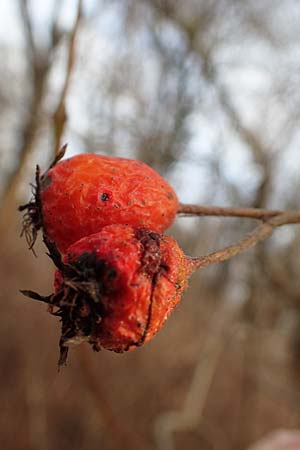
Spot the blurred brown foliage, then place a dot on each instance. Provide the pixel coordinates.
(207, 93)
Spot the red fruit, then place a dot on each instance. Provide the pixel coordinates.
(116, 288)
(80, 195)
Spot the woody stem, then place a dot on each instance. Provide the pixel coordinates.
(250, 213)
(259, 234)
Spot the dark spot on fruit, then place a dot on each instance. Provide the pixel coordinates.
(116, 206)
(164, 267)
(104, 197)
(170, 195)
(151, 257)
(112, 273)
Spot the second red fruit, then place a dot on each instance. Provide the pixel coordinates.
(116, 288)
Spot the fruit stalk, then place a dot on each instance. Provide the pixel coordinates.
(247, 213)
(259, 234)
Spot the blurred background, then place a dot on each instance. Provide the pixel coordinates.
(207, 93)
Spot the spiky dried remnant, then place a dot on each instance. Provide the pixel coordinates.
(116, 288)
(32, 213)
(80, 195)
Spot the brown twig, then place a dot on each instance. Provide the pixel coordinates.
(260, 233)
(39, 69)
(60, 115)
(250, 213)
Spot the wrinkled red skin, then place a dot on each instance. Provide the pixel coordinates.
(147, 286)
(169, 285)
(82, 194)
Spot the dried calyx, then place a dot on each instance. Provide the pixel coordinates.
(33, 211)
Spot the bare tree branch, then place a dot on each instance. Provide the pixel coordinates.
(39, 65)
(201, 48)
(60, 115)
(39, 68)
(30, 44)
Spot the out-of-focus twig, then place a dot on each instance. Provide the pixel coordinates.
(36, 409)
(60, 115)
(39, 64)
(129, 439)
(38, 67)
(202, 47)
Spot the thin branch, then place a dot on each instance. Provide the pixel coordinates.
(260, 233)
(198, 45)
(39, 67)
(60, 115)
(30, 44)
(250, 213)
